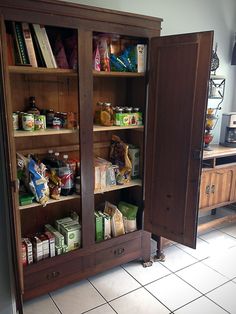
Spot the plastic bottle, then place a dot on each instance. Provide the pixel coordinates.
(66, 175)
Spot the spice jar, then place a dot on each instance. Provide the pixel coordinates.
(106, 115)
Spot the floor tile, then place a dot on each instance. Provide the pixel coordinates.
(203, 249)
(103, 309)
(77, 298)
(224, 262)
(219, 239)
(172, 291)
(145, 275)
(201, 306)
(40, 305)
(114, 283)
(139, 301)
(230, 230)
(196, 276)
(225, 296)
(177, 258)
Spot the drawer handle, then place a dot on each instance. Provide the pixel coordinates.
(208, 189)
(213, 189)
(53, 275)
(119, 251)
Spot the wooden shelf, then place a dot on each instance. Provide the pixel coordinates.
(43, 132)
(51, 201)
(46, 71)
(132, 183)
(117, 74)
(100, 128)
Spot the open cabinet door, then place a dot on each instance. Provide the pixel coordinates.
(9, 176)
(178, 85)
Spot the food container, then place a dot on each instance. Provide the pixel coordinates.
(28, 122)
(39, 122)
(15, 118)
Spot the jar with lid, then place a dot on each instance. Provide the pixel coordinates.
(138, 116)
(98, 110)
(106, 115)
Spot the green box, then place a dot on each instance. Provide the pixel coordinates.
(98, 227)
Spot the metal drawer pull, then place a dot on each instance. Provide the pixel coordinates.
(53, 275)
(119, 251)
(208, 189)
(213, 188)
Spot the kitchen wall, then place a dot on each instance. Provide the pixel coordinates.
(184, 16)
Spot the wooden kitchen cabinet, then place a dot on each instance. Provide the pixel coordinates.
(218, 184)
(172, 95)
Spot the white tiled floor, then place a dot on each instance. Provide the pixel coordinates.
(201, 281)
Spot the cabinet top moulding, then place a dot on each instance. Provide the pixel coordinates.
(117, 74)
(46, 71)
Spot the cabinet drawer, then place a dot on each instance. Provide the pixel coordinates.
(52, 274)
(123, 251)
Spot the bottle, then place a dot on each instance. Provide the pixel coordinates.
(66, 176)
(48, 161)
(32, 106)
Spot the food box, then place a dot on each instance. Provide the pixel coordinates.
(51, 241)
(29, 250)
(59, 239)
(106, 225)
(98, 227)
(72, 235)
(62, 220)
(37, 249)
(45, 245)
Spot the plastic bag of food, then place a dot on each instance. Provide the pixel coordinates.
(119, 156)
(23, 173)
(117, 224)
(38, 182)
(54, 185)
(129, 213)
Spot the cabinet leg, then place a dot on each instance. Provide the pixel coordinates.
(160, 256)
(213, 211)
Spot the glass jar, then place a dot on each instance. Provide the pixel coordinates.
(98, 110)
(106, 115)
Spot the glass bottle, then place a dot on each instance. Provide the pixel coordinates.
(32, 106)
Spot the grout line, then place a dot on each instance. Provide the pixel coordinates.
(158, 300)
(54, 303)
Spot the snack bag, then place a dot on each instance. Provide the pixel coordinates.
(119, 156)
(54, 185)
(129, 213)
(117, 224)
(38, 183)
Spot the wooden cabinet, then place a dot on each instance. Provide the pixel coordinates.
(172, 96)
(218, 183)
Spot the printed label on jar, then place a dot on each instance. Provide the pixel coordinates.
(39, 122)
(28, 122)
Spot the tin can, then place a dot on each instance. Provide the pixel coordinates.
(50, 117)
(64, 119)
(77, 185)
(56, 123)
(39, 122)
(28, 122)
(15, 118)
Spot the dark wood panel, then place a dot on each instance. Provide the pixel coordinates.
(177, 102)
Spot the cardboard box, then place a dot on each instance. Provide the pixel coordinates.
(106, 225)
(98, 227)
(37, 249)
(51, 241)
(72, 236)
(59, 239)
(29, 250)
(60, 221)
(45, 245)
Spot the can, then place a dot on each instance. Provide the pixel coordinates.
(56, 123)
(28, 122)
(15, 118)
(50, 117)
(77, 185)
(39, 122)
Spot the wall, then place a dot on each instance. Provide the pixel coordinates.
(184, 16)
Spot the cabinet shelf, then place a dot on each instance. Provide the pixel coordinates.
(100, 128)
(46, 71)
(117, 74)
(43, 132)
(132, 183)
(51, 201)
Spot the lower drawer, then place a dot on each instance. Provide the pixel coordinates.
(120, 251)
(54, 273)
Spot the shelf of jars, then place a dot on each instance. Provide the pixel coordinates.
(50, 201)
(101, 128)
(22, 133)
(132, 183)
